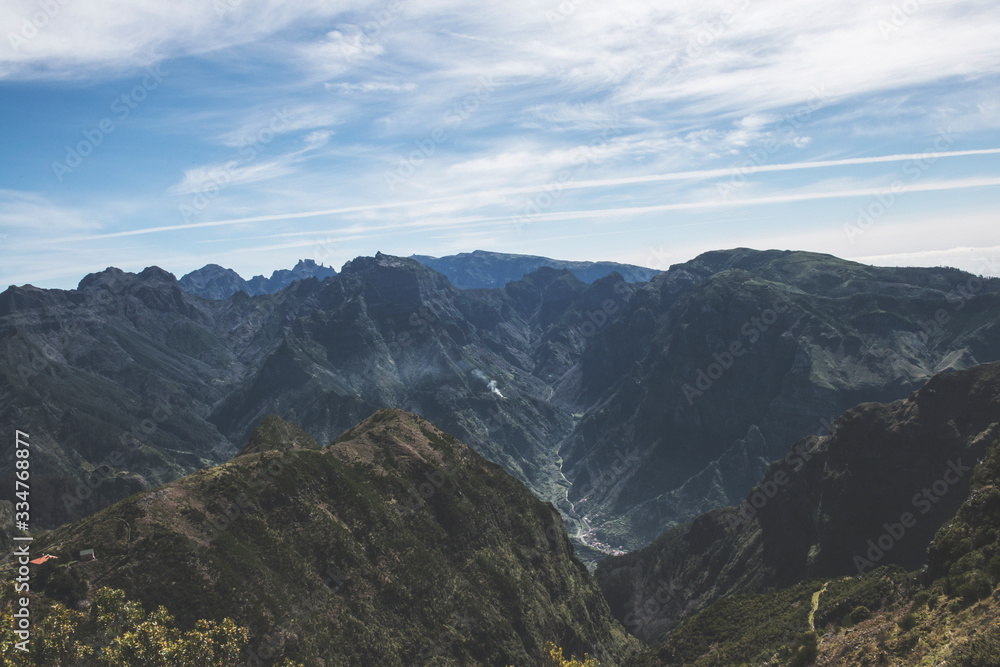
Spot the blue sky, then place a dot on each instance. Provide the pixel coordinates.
(252, 133)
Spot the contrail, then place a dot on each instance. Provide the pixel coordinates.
(594, 183)
(499, 221)
(957, 184)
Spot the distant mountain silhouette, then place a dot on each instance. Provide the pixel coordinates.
(481, 268)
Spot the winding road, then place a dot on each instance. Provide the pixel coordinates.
(582, 525)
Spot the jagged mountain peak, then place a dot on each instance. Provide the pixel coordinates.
(116, 281)
(156, 274)
(303, 264)
(216, 282)
(402, 281)
(112, 279)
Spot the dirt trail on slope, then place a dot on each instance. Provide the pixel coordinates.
(815, 606)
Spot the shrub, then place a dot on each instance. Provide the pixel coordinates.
(60, 583)
(556, 658)
(976, 587)
(116, 631)
(860, 613)
(805, 650)
(993, 569)
(908, 622)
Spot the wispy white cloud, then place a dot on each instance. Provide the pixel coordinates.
(674, 96)
(977, 260)
(371, 87)
(340, 50)
(195, 180)
(260, 125)
(110, 36)
(243, 168)
(21, 211)
(784, 198)
(212, 177)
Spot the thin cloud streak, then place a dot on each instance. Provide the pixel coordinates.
(790, 166)
(374, 232)
(594, 183)
(775, 199)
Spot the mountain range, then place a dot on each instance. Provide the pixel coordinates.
(817, 511)
(468, 270)
(397, 544)
(632, 406)
(876, 544)
(670, 419)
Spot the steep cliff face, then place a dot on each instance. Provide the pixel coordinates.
(780, 341)
(128, 381)
(396, 544)
(874, 492)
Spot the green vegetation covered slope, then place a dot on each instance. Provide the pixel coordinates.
(945, 613)
(396, 544)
